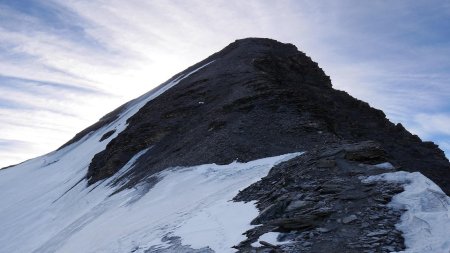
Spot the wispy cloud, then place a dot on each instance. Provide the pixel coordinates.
(63, 64)
(433, 124)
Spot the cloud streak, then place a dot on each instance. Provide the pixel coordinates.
(63, 64)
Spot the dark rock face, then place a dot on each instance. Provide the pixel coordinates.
(259, 98)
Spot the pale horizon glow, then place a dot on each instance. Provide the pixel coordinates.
(64, 64)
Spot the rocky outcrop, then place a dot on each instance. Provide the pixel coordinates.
(326, 208)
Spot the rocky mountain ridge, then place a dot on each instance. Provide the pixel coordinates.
(259, 98)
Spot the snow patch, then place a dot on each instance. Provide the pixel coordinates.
(426, 222)
(386, 165)
(270, 237)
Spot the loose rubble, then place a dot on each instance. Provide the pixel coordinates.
(318, 203)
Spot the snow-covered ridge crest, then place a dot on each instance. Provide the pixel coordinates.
(426, 221)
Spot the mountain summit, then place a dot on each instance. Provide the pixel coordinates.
(255, 98)
(159, 171)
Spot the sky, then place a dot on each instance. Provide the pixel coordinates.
(66, 63)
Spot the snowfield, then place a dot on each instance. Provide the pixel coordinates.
(52, 212)
(426, 222)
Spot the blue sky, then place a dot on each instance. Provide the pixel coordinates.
(64, 64)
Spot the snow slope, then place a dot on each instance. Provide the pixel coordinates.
(426, 221)
(191, 203)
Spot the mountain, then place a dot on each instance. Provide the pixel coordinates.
(309, 169)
